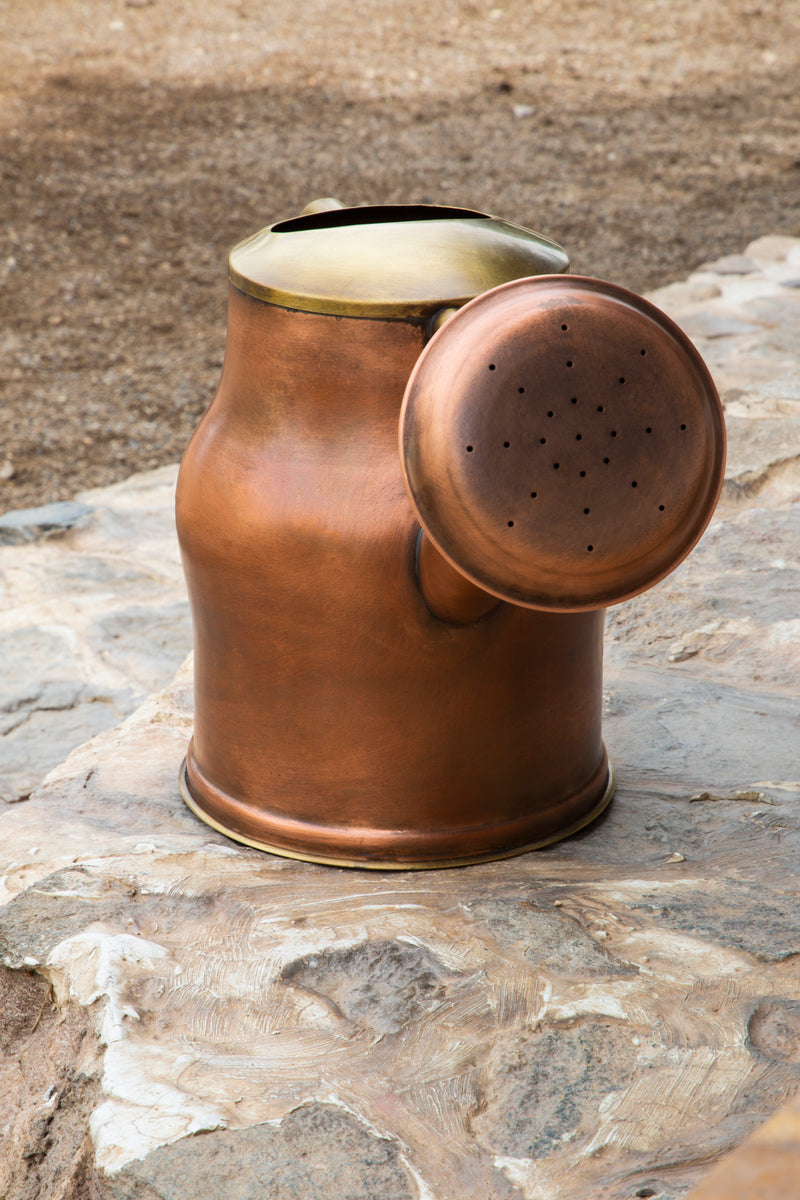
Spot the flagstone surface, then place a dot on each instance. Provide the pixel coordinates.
(605, 1018)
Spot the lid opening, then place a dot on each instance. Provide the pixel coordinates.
(376, 214)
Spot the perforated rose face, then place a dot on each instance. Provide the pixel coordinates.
(563, 442)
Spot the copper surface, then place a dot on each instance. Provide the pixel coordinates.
(335, 716)
(563, 444)
(286, 850)
(338, 716)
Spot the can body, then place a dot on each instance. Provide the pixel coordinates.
(336, 719)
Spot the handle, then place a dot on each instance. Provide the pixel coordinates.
(324, 204)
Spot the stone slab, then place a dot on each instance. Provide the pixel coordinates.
(93, 617)
(604, 1018)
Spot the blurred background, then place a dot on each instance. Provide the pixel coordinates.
(141, 139)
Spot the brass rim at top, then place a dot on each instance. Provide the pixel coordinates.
(393, 262)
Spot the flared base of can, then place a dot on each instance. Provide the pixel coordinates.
(397, 850)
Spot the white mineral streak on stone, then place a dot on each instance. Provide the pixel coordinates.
(600, 999)
(100, 962)
(681, 958)
(535, 1179)
(423, 1191)
(143, 1106)
(696, 1087)
(122, 1132)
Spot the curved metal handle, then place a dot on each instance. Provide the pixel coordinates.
(449, 595)
(324, 204)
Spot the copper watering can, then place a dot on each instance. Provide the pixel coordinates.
(398, 652)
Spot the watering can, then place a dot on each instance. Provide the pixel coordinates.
(433, 461)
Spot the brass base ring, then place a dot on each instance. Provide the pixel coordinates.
(575, 827)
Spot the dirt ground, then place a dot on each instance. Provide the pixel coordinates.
(141, 139)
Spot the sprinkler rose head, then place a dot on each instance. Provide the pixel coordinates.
(562, 443)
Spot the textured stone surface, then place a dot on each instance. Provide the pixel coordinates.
(31, 524)
(600, 1019)
(93, 617)
(318, 1152)
(550, 1088)
(380, 985)
(48, 1090)
(546, 937)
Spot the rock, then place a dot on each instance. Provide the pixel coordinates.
(771, 249)
(677, 296)
(380, 985)
(17, 787)
(714, 325)
(30, 524)
(774, 1030)
(48, 1089)
(550, 941)
(550, 1088)
(763, 455)
(732, 264)
(318, 1152)
(760, 920)
(92, 620)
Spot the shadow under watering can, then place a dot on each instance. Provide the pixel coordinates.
(398, 655)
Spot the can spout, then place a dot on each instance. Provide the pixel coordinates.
(449, 595)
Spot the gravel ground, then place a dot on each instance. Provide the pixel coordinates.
(139, 140)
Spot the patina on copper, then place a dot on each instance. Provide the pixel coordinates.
(563, 444)
(338, 717)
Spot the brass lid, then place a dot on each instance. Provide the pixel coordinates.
(401, 261)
